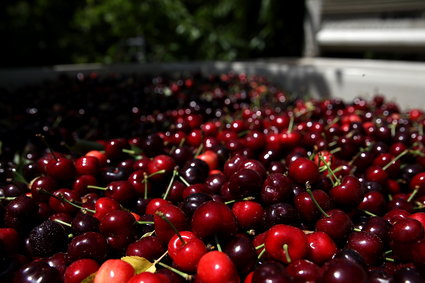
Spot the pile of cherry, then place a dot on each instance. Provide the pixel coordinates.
(226, 179)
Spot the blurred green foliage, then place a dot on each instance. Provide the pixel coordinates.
(48, 32)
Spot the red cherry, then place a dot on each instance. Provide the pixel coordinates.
(286, 243)
(302, 270)
(87, 165)
(159, 163)
(321, 247)
(99, 155)
(114, 270)
(186, 255)
(80, 270)
(368, 245)
(213, 218)
(148, 277)
(248, 213)
(61, 169)
(165, 218)
(348, 194)
(407, 230)
(303, 170)
(104, 205)
(149, 247)
(216, 267)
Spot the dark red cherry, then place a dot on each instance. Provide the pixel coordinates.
(303, 170)
(276, 188)
(368, 245)
(37, 271)
(149, 247)
(88, 245)
(242, 252)
(342, 270)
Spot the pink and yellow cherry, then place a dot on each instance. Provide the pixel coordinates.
(114, 270)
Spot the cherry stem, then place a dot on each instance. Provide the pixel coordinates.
(160, 258)
(357, 229)
(175, 172)
(47, 145)
(186, 183)
(310, 193)
(369, 213)
(261, 253)
(62, 222)
(163, 217)
(96, 187)
(155, 173)
(400, 155)
(234, 200)
(291, 123)
(145, 180)
(144, 222)
(337, 181)
(7, 198)
(390, 259)
(388, 252)
(413, 194)
(335, 150)
(186, 276)
(286, 252)
(217, 243)
(260, 246)
(199, 150)
(63, 199)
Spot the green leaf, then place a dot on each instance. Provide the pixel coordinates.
(140, 264)
(90, 278)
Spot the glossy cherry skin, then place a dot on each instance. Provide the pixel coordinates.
(41, 184)
(378, 226)
(270, 271)
(21, 214)
(248, 213)
(104, 205)
(216, 267)
(407, 230)
(186, 255)
(337, 224)
(244, 182)
(80, 270)
(280, 235)
(213, 218)
(84, 222)
(37, 271)
(368, 245)
(173, 214)
(342, 270)
(276, 188)
(61, 206)
(302, 270)
(348, 194)
(114, 270)
(87, 165)
(121, 191)
(161, 162)
(242, 252)
(321, 247)
(148, 277)
(303, 170)
(306, 207)
(118, 223)
(149, 247)
(88, 245)
(61, 169)
(280, 213)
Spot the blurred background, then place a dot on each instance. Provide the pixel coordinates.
(50, 32)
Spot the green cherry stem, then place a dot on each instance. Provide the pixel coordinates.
(62, 222)
(286, 252)
(175, 172)
(336, 181)
(369, 213)
(260, 246)
(217, 243)
(310, 193)
(61, 198)
(97, 187)
(145, 180)
(163, 217)
(403, 153)
(186, 276)
(413, 194)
